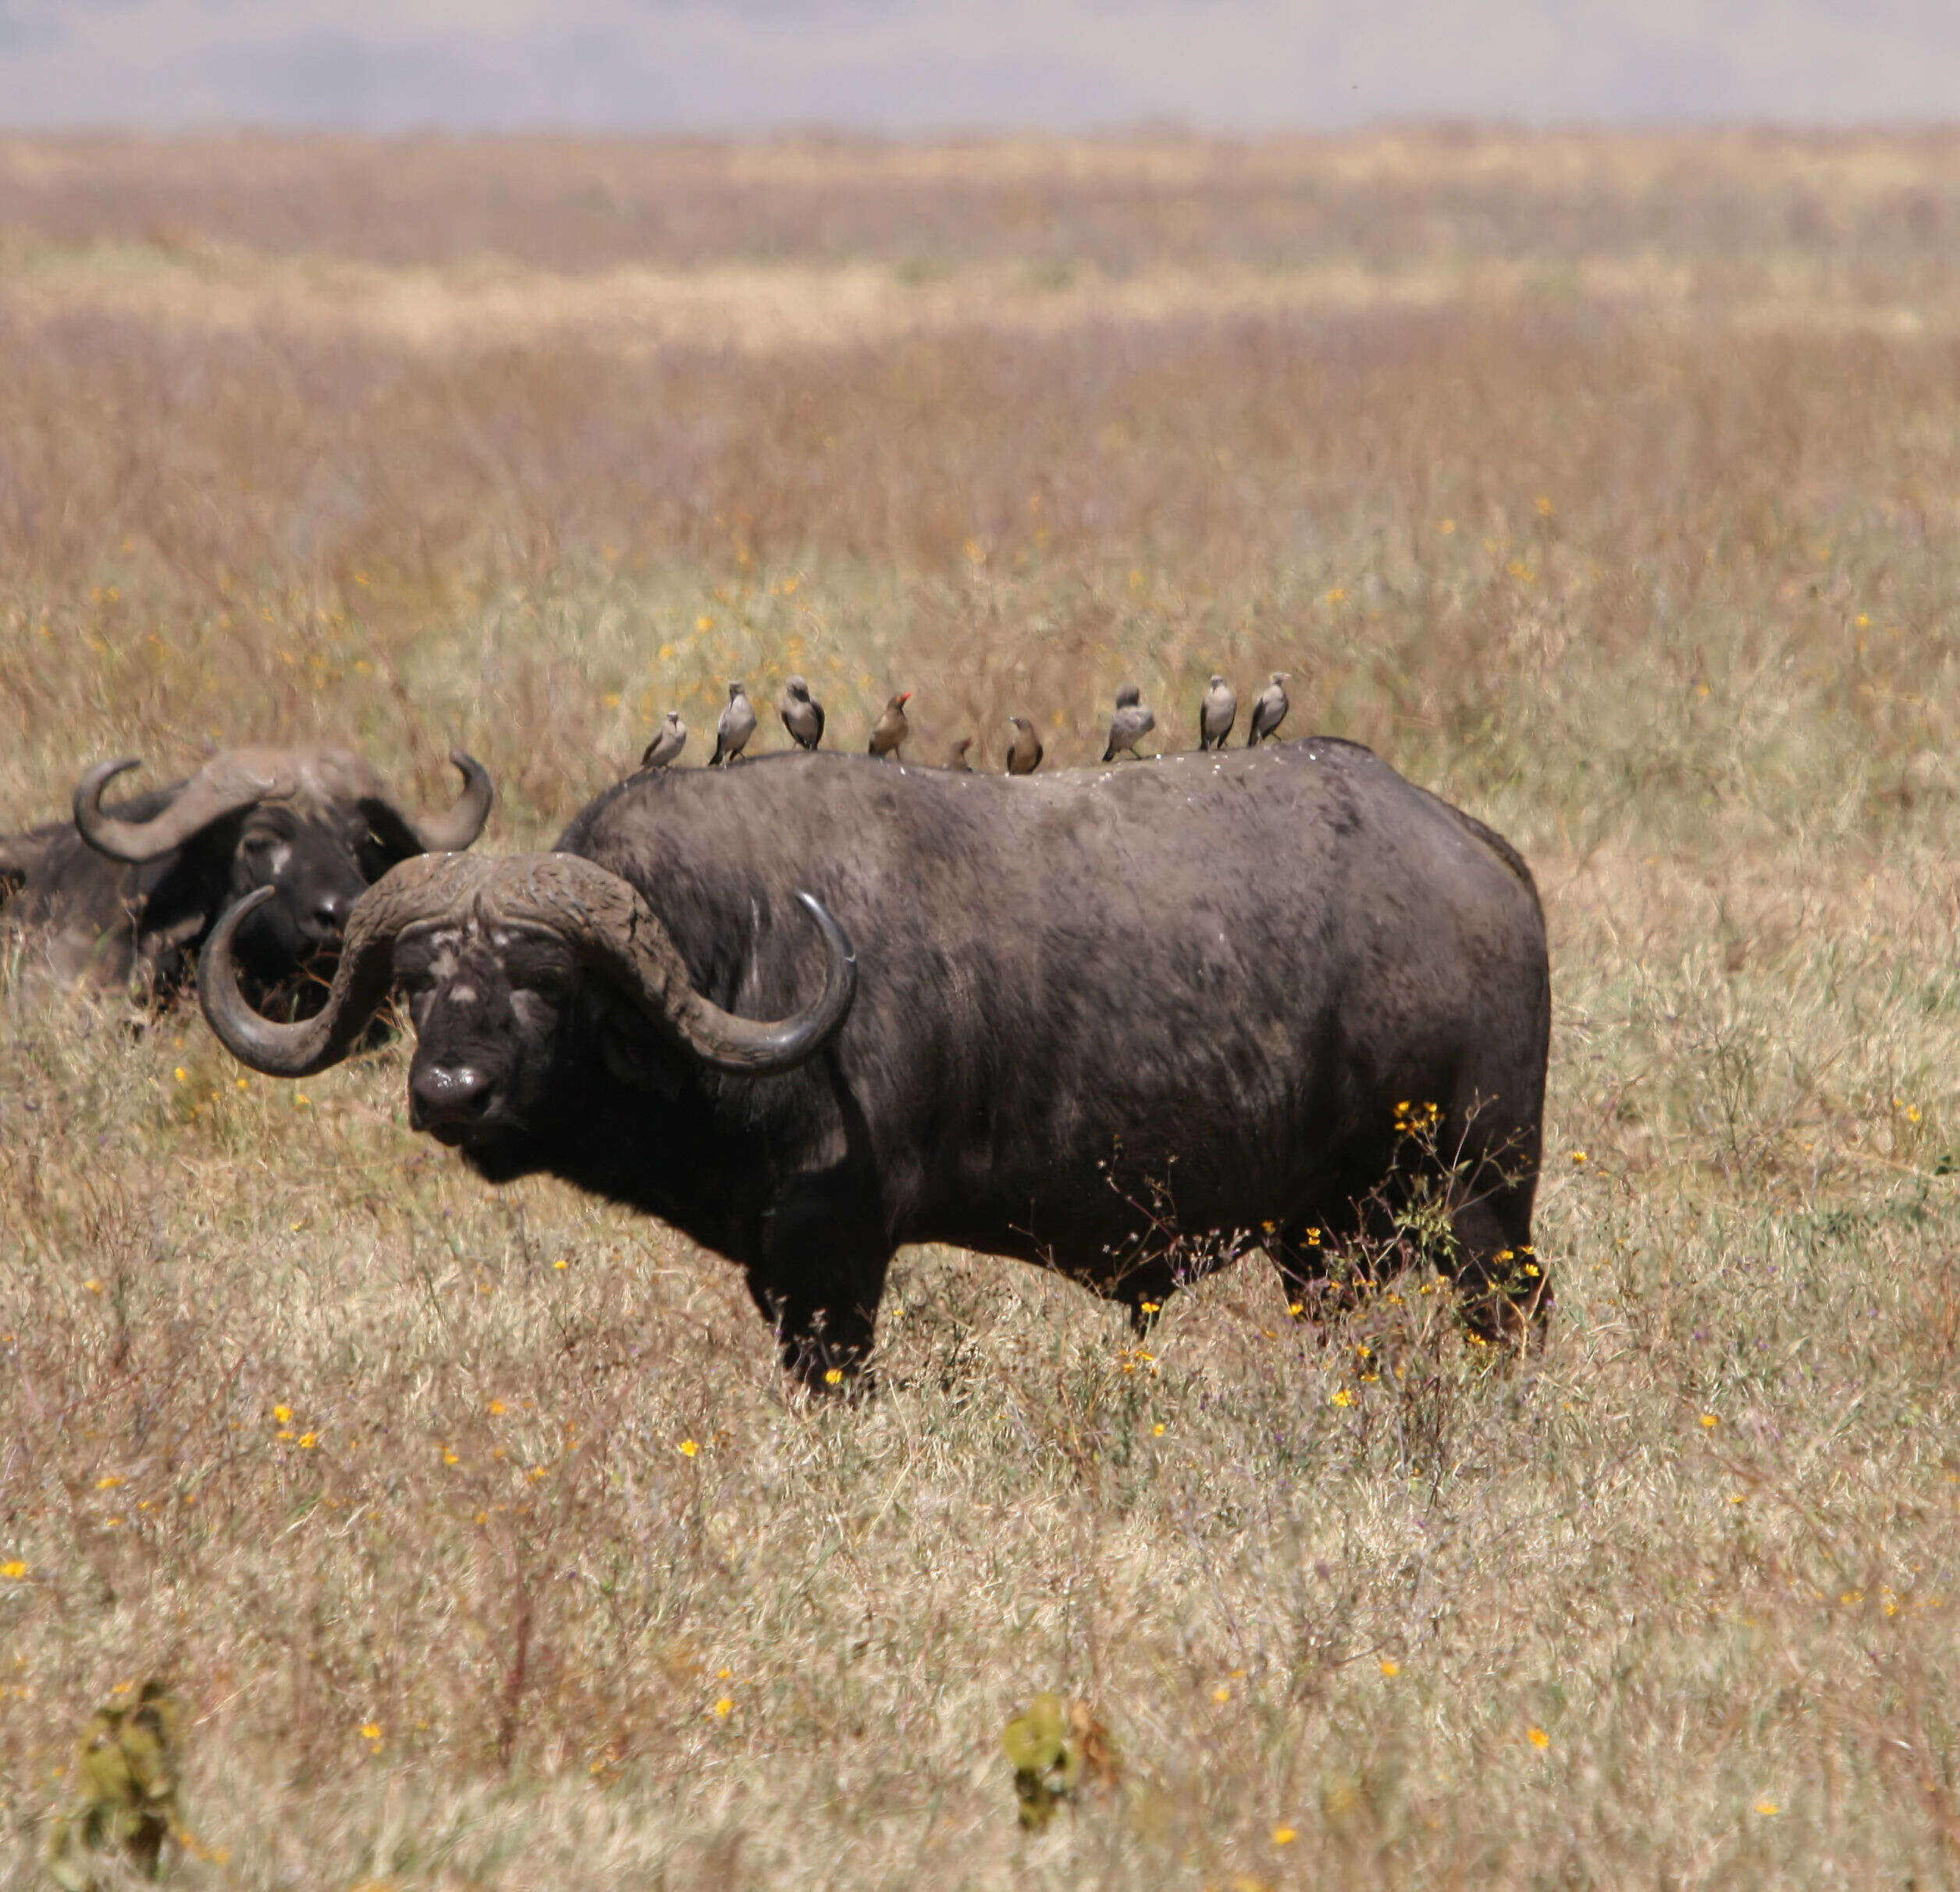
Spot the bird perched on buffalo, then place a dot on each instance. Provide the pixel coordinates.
(1132, 722)
(803, 714)
(1270, 711)
(737, 725)
(888, 733)
(1217, 712)
(1024, 756)
(668, 741)
(956, 756)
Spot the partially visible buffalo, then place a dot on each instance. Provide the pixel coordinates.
(1211, 995)
(125, 895)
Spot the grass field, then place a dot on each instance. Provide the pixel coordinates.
(1610, 487)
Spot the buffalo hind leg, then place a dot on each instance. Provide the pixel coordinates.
(1502, 1284)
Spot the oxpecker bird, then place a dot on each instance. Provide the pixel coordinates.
(888, 733)
(737, 725)
(1129, 725)
(1270, 711)
(803, 714)
(1216, 714)
(956, 756)
(1024, 756)
(668, 741)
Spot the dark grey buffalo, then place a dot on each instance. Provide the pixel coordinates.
(1090, 1015)
(127, 894)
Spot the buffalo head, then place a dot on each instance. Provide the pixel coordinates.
(313, 828)
(506, 963)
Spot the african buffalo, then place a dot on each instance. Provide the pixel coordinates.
(1213, 994)
(127, 894)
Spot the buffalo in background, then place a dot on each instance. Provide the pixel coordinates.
(1268, 997)
(125, 895)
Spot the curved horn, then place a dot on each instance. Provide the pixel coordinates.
(361, 981)
(451, 833)
(607, 919)
(220, 787)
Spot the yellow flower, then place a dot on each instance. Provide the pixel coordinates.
(561, 1263)
(1710, 1422)
(612, 699)
(1151, 1307)
(1768, 1808)
(1391, 1668)
(688, 1448)
(13, 1567)
(449, 1455)
(835, 1377)
(704, 622)
(182, 1077)
(1221, 1693)
(1864, 621)
(1578, 1156)
(724, 1675)
(93, 1285)
(1538, 1738)
(241, 1083)
(1296, 1308)
(724, 1707)
(1446, 526)
(308, 1441)
(370, 1730)
(1284, 1836)
(1340, 1396)
(283, 1414)
(1545, 508)
(108, 1481)
(1337, 595)
(1157, 1431)
(497, 1408)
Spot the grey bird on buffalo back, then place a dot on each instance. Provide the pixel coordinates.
(888, 733)
(732, 732)
(1129, 725)
(956, 757)
(803, 714)
(1217, 712)
(1127, 1016)
(124, 895)
(668, 741)
(1024, 753)
(1270, 710)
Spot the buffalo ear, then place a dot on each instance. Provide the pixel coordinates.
(634, 1054)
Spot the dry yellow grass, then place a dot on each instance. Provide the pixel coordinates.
(477, 1529)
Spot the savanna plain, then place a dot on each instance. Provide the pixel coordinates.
(1611, 487)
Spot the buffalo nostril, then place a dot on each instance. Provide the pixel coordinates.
(329, 915)
(441, 1094)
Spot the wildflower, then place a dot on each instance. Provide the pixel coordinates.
(13, 1569)
(370, 1730)
(1284, 1836)
(1340, 1396)
(724, 1709)
(1296, 1308)
(1391, 1668)
(1337, 595)
(1221, 1693)
(108, 1481)
(1538, 1738)
(1157, 1431)
(300, 1099)
(612, 699)
(241, 1083)
(1768, 1808)
(1545, 508)
(1313, 1238)
(497, 1408)
(93, 1285)
(724, 1675)
(561, 1265)
(283, 1414)
(688, 1448)
(1864, 621)
(1578, 1156)
(1151, 1307)
(1446, 526)
(308, 1441)
(1710, 1421)
(704, 622)
(182, 1077)
(835, 1377)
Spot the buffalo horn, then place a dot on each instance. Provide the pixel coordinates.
(602, 916)
(449, 833)
(219, 788)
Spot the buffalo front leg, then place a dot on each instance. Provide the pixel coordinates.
(818, 1283)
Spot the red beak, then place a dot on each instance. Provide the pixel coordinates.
(904, 697)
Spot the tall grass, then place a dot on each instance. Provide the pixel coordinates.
(294, 1411)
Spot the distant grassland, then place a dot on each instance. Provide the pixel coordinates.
(1611, 487)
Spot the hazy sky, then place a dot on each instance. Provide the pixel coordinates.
(906, 65)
